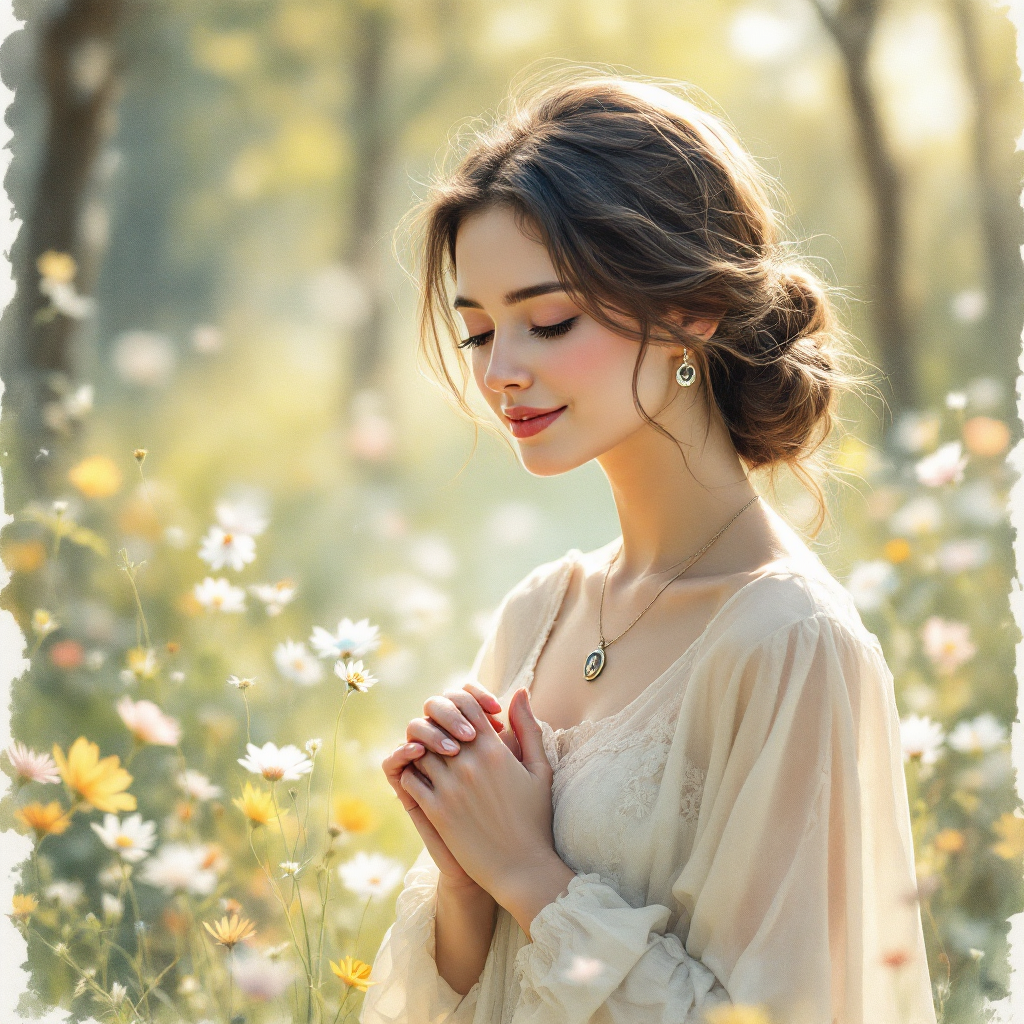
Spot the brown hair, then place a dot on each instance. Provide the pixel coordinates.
(650, 208)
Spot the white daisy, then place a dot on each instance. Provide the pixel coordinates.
(274, 595)
(113, 907)
(313, 746)
(920, 515)
(354, 674)
(370, 874)
(241, 682)
(290, 868)
(944, 466)
(870, 583)
(176, 867)
(275, 764)
(131, 839)
(351, 640)
(197, 785)
(219, 595)
(296, 663)
(978, 736)
(244, 516)
(66, 893)
(921, 738)
(220, 547)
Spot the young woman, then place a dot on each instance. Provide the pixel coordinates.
(676, 781)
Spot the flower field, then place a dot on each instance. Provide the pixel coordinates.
(210, 832)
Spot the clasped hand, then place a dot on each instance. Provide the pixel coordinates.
(483, 808)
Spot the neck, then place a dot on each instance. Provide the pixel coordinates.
(668, 512)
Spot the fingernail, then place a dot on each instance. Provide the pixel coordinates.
(466, 732)
(450, 746)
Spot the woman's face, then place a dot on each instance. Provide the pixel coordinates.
(559, 382)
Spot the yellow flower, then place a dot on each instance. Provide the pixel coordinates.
(100, 783)
(96, 477)
(23, 555)
(738, 1013)
(44, 821)
(43, 622)
(23, 906)
(896, 550)
(256, 804)
(354, 814)
(1010, 829)
(950, 840)
(230, 933)
(57, 266)
(142, 662)
(353, 973)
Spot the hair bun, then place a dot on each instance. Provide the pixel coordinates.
(799, 307)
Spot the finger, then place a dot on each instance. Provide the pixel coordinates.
(528, 732)
(432, 737)
(396, 763)
(447, 714)
(484, 698)
(471, 710)
(414, 785)
(433, 767)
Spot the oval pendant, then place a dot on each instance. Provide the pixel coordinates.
(594, 664)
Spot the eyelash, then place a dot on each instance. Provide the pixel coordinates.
(548, 331)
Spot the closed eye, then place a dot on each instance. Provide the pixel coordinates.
(554, 330)
(476, 340)
(541, 331)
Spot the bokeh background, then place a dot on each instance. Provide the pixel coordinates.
(212, 268)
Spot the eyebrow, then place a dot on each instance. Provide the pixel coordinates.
(511, 298)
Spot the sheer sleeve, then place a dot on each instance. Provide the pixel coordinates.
(406, 986)
(797, 888)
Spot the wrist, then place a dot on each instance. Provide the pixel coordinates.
(467, 892)
(533, 887)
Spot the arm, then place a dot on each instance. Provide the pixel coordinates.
(464, 927)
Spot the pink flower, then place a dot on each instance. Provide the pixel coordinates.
(147, 723)
(30, 766)
(947, 644)
(944, 466)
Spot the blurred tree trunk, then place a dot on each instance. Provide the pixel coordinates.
(77, 72)
(852, 25)
(374, 139)
(998, 210)
(380, 112)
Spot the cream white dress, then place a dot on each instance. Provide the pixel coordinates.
(740, 833)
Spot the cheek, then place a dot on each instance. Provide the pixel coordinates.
(596, 369)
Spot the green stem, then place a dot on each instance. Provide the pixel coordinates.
(248, 729)
(330, 801)
(129, 569)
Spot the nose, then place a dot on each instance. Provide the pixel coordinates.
(504, 369)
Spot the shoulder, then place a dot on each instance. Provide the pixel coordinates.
(797, 601)
(546, 584)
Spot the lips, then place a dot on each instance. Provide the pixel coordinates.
(525, 421)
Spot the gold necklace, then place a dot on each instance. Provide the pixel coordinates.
(593, 666)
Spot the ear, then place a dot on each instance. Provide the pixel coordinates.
(703, 327)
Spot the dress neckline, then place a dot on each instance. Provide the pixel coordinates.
(573, 557)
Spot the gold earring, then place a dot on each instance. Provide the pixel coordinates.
(687, 372)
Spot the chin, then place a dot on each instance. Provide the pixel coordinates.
(551, 462)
